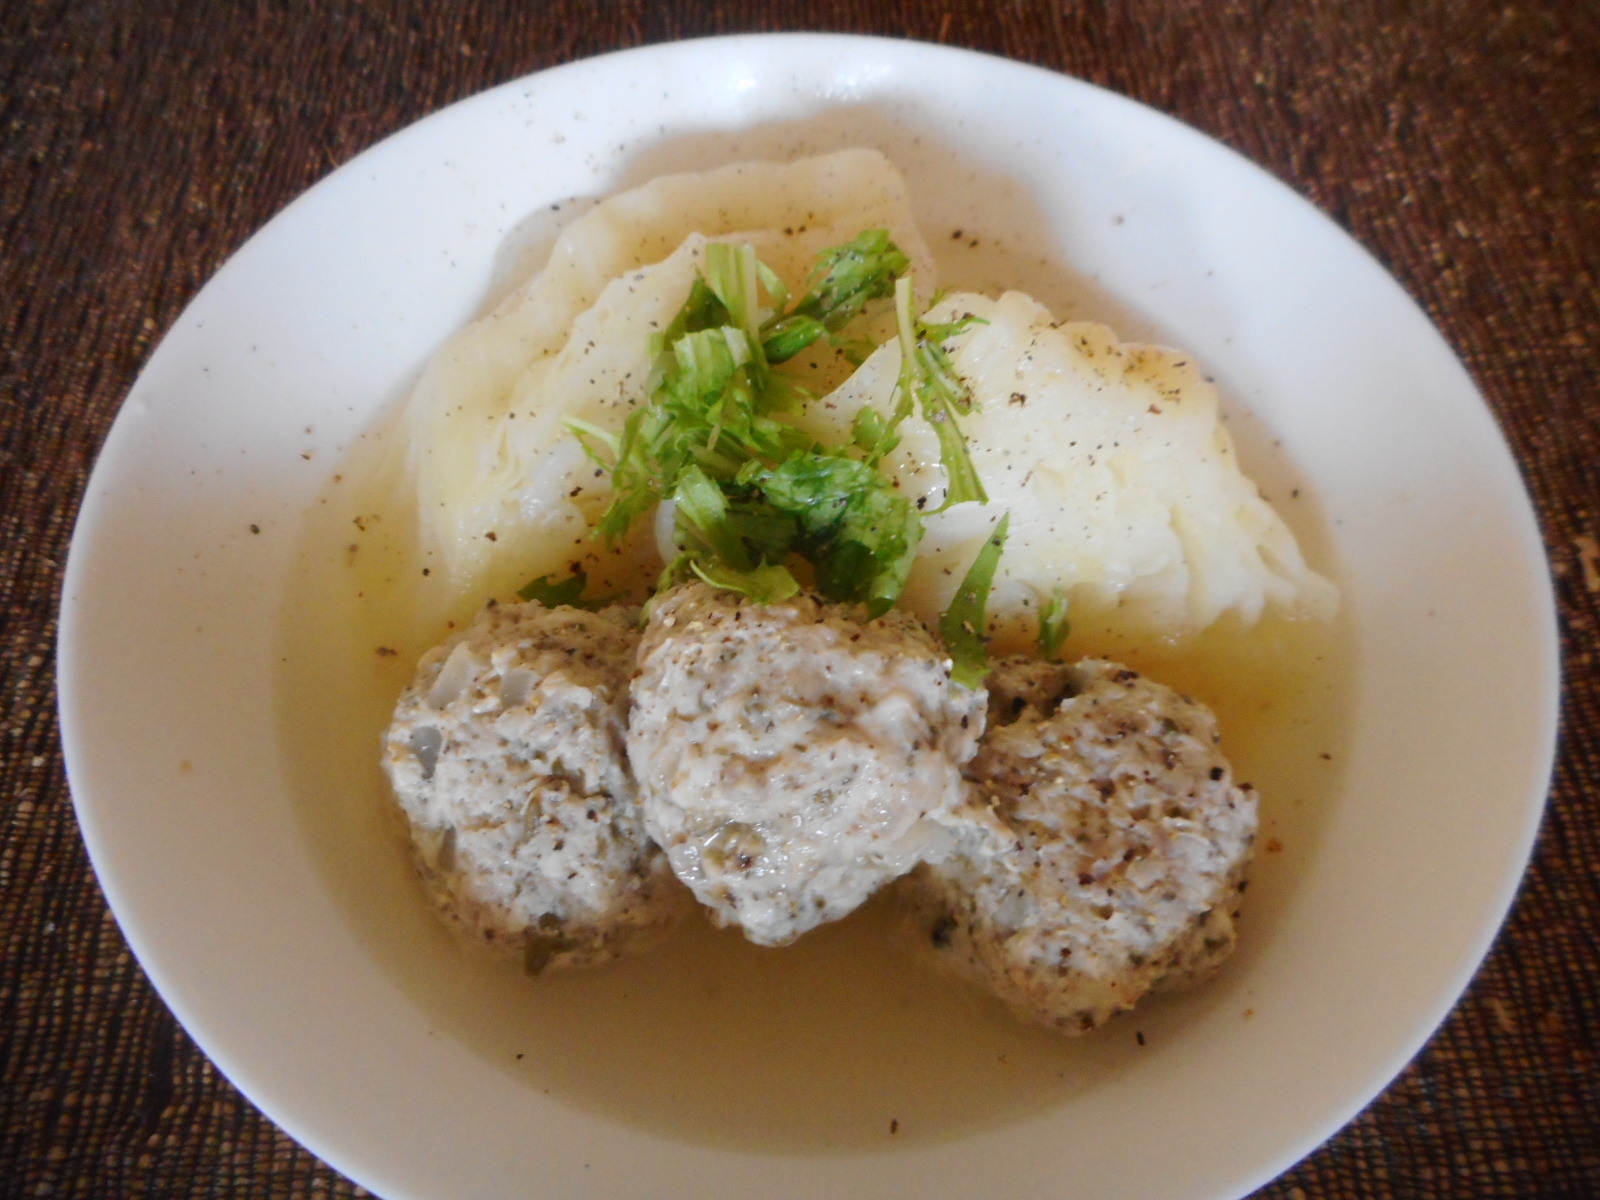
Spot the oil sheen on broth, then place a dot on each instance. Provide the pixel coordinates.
(846, 1039)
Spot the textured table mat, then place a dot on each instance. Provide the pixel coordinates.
(141, 143)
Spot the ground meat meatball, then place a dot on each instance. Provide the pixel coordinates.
(1127, 840)
(792, 757)
(507, 759)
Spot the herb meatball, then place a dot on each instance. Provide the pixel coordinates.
(507, 758)
(792, 757)
(1125, 844)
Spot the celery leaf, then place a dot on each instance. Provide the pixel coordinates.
(962, 625)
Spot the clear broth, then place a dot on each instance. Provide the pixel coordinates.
(844, 1041)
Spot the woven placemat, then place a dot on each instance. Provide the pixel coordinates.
(141, 143)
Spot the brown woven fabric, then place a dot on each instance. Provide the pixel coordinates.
(141, 143)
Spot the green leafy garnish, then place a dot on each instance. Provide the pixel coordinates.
(703, 514)
(926, 374)
(842, 283)
(1053, 624)
(870, 432)
(731, 273)
(859, 533)
(962, 625)
(713, 394)
(766, 584)
(552, 594)
(703, 309)
(709, 409)
(750, 489)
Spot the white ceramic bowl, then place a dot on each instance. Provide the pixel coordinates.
(245, 858)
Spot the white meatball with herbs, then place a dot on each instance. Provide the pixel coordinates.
(792, 757)
(1125, 845)
(507, 759)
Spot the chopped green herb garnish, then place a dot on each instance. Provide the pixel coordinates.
(713, 395)
(709, 409)
(769, 533)
(962, 625)
(1053, 624)
(873, 434)
(702, 310)
(927, 375)
(702, 512)
(842, 283)
(749, 489)
(552, 594)
(859, 533)
(731, 273)
(764, 584)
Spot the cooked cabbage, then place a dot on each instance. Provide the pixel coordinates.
(1124, 492)
(1122, 485)
(504, 494)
